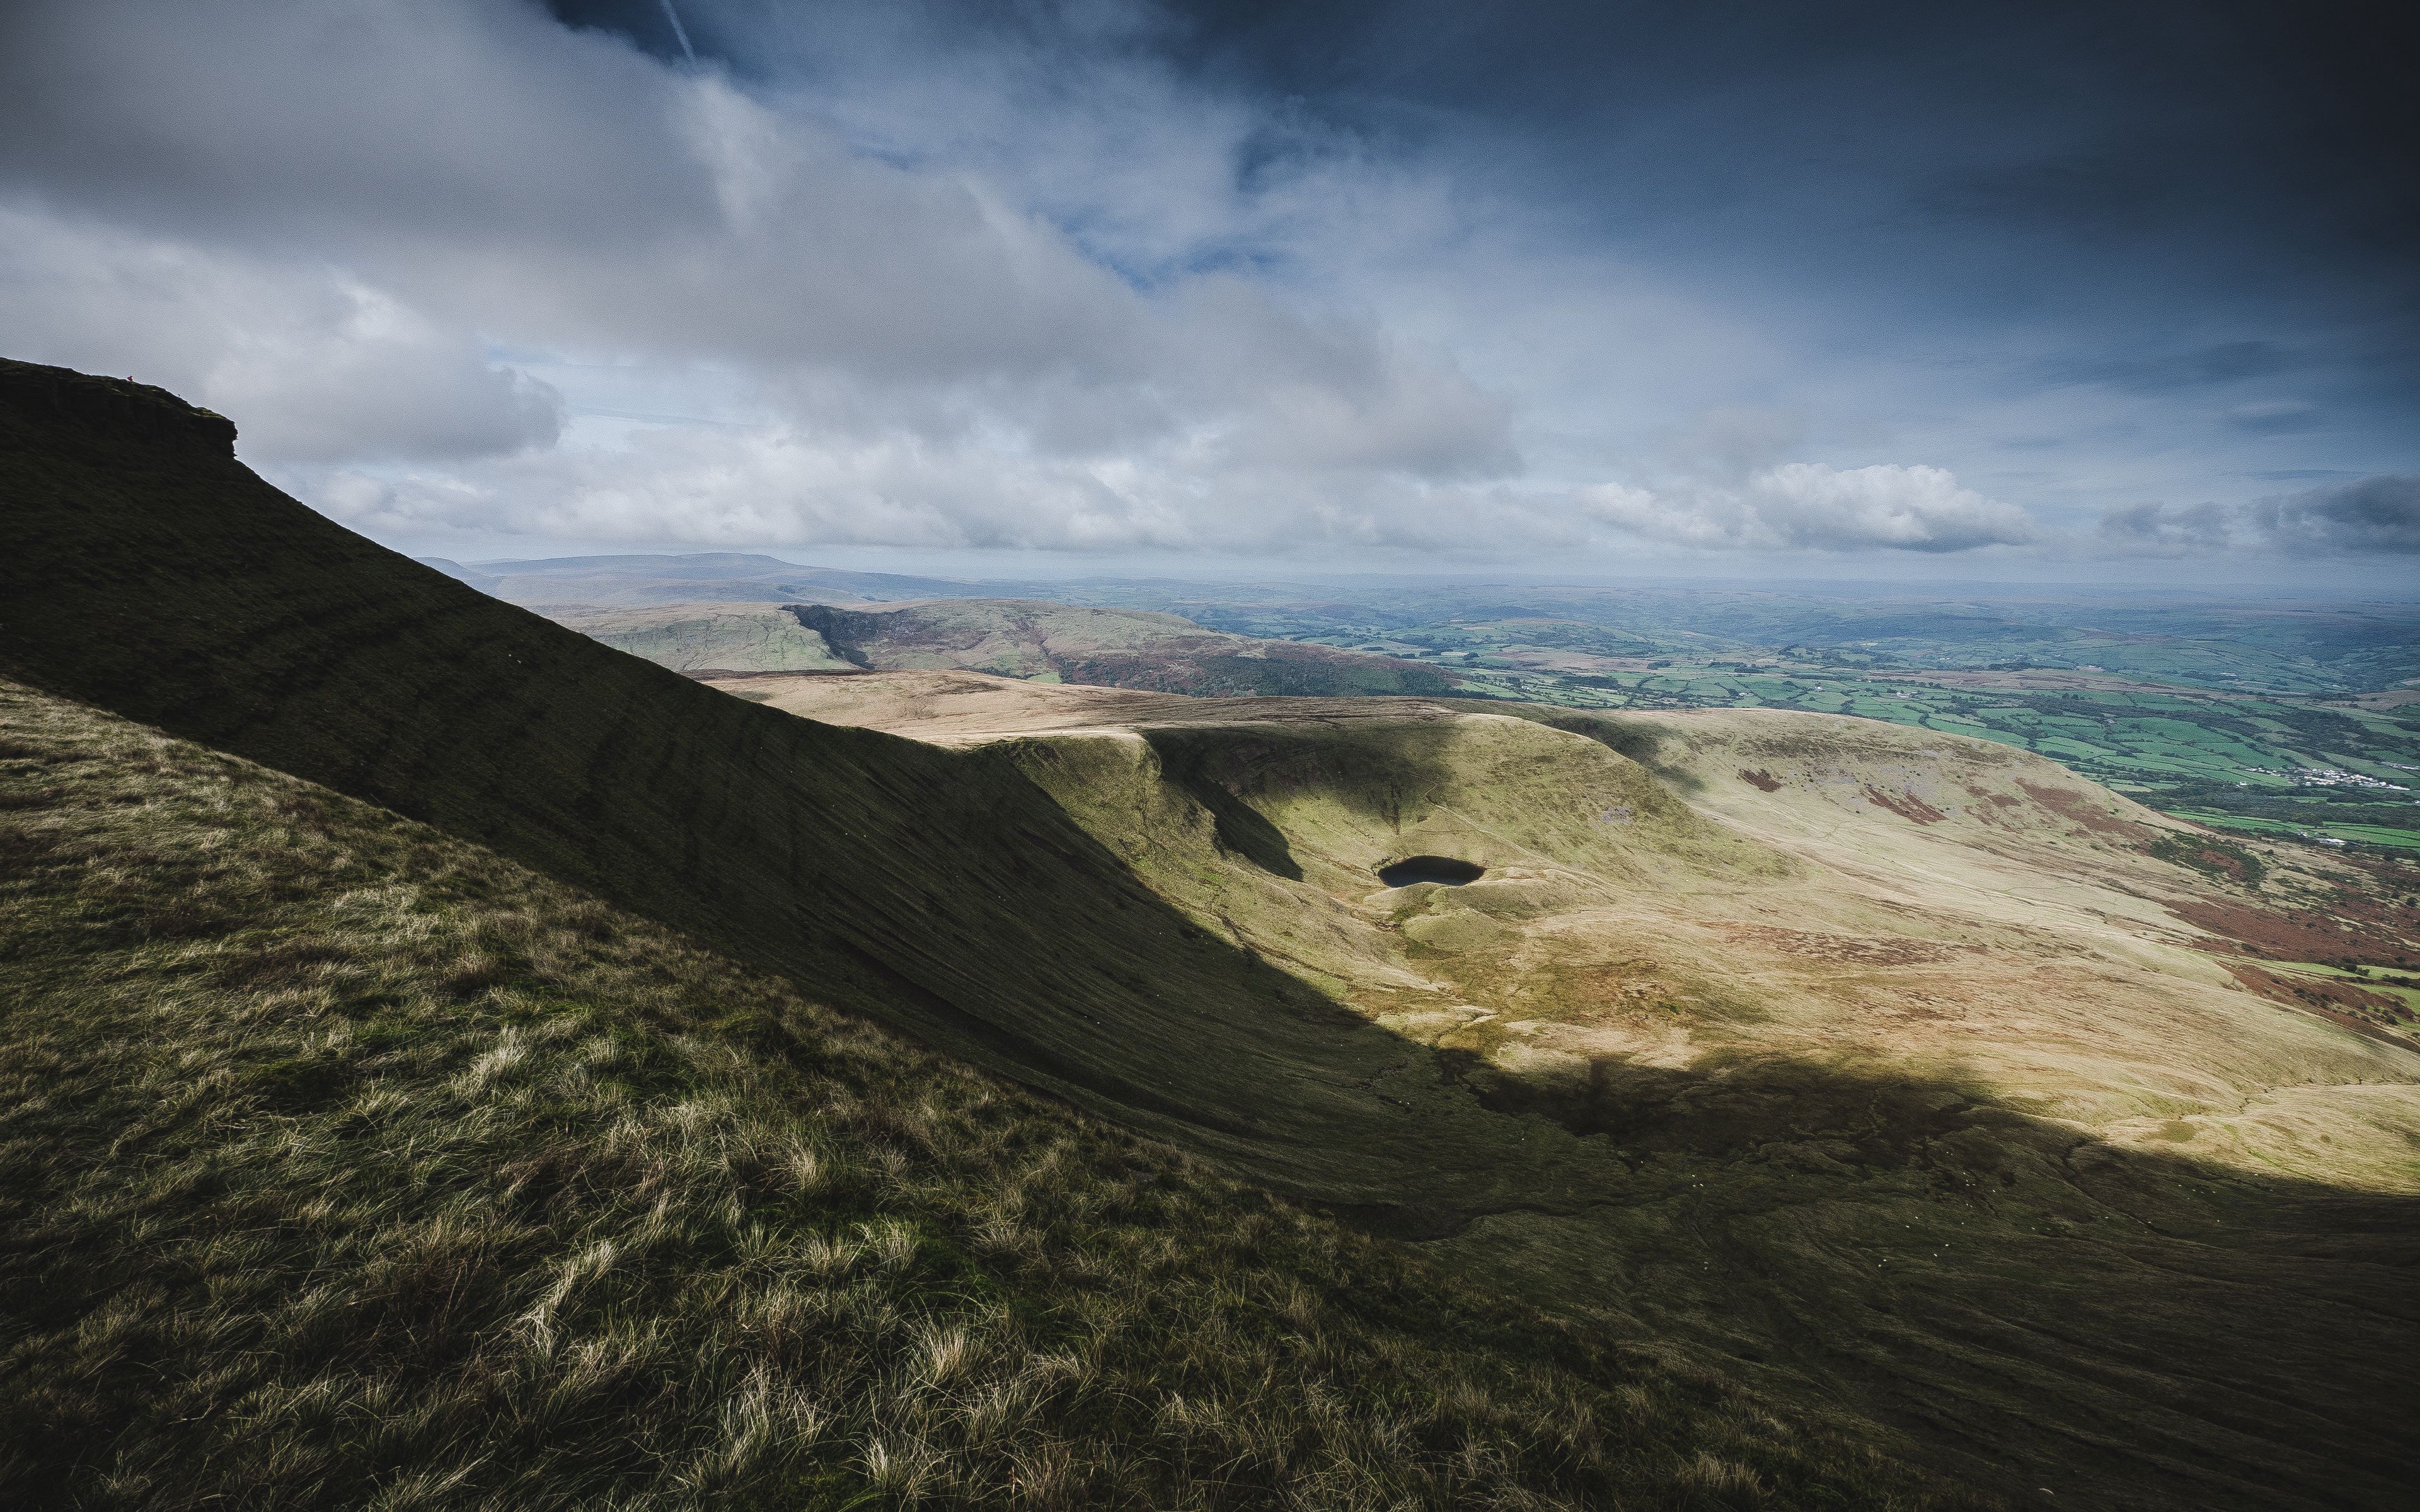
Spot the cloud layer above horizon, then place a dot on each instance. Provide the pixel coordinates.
(1584, 288)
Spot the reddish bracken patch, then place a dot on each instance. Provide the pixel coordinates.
(2080, 808)
(2330, 939)
(1905, 805)
(1994, 800)
(1760, 778)
(2339, 1002)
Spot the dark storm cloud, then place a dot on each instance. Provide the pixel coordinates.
(2124, 105)
(2131, 163)
(2374, 515)
(2206, 212)
(2166, 530)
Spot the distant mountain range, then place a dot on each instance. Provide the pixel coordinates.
(699, 577)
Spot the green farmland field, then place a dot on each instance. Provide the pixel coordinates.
(2228, 714)
(2235, 762)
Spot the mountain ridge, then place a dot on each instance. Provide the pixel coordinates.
(397, 684)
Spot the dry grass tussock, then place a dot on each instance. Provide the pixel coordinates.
(344, 1165)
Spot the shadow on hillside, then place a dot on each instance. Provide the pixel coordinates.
(1718, 1110)
(846, 632)
(1642, 742)
(1230, 771)
(1204, 769)
(2037, 1308)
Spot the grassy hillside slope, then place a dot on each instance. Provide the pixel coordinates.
(1926, 1091)
(709, 638)
(343, 1164)
(147, 571)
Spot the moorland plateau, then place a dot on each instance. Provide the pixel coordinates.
(452, 1062)
(1043, 642)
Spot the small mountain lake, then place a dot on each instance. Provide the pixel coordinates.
(1442, 869)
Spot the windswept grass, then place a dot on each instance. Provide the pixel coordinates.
(343, 1164)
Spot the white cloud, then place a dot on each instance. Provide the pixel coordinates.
(1807, 505)
(783, 487)
(324, 216)
(319, 364)
(1905, 509)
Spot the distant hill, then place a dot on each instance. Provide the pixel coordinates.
(1106, 648)
(732, 637)
(724, 631)
(634, 581)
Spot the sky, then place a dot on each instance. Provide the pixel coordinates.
(2092, 293)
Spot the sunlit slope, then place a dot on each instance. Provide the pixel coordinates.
(147, 571)
(350, 1165)
(709, 638)
(1913, 1090)
(1831, 886)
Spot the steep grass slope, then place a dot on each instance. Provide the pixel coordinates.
(344, 1164)
(147, 571)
